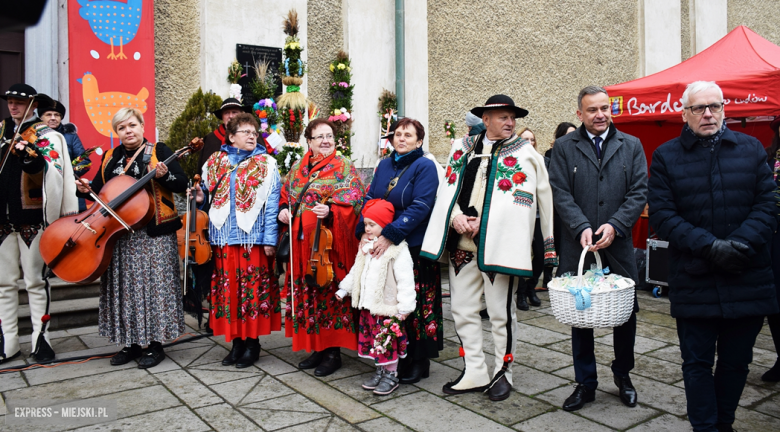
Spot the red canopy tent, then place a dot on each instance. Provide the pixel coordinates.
(744, 65)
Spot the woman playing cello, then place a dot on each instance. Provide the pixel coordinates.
(321, 325)
(140, 292)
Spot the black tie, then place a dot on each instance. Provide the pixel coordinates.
(597, 144)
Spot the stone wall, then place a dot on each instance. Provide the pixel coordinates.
(539, 53)
(325, 34)
(177, 58)
(685, 29)
(761, 16)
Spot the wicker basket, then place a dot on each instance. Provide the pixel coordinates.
(607, 309)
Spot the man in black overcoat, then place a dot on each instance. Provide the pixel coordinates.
(713, 198)
(599, 180)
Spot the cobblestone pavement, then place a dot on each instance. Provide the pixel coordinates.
(192, 391)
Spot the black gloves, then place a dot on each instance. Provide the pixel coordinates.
(728, 255)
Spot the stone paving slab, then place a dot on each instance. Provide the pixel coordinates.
(425, 412)
(191, 390)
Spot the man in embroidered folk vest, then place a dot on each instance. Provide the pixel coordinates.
(599, 180)
(37, 188)
(483, 221)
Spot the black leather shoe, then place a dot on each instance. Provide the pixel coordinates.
(724, 427)
(533, 300)
(447, 389)
(152, 356)
(484, 314)
(500, 390)
(331, 363)
(521, 304)
(7, 359)
(417, 370)
(126, 355)
(43, 352)
(312, 361)
(627, 391)
(239, 346)
(251, 354)
(579, 398)
(772, 375)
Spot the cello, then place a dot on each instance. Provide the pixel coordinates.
(195, 228)
(79, 248)
(320, 270)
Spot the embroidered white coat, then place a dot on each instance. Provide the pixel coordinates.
(370, 282)
(517, 185)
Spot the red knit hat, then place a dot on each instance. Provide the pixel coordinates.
(379, 211)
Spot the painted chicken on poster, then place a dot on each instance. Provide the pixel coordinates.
(111, 51)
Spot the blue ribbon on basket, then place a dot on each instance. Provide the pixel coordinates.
(581, 296)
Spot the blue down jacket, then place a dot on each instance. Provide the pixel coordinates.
(698, 194)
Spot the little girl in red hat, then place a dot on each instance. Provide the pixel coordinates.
(382, 287)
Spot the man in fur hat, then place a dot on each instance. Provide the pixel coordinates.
(483, 221)
(38, 187)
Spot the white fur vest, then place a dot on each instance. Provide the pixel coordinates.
(384, 285)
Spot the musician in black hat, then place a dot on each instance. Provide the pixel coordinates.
(483, 223)
(37, 188)
(230, 108)
(52, 113)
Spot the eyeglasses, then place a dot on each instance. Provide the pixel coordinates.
(328, 137)
(249, 133)
(699, 109)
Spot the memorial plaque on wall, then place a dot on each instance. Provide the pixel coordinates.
(247, 56)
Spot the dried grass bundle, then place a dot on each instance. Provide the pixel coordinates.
(342, 56)
(290, 25)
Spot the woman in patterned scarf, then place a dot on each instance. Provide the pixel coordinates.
(140, 292)
(244, 185)
(321, 324)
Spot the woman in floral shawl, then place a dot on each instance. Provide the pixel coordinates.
(243, 184)
(321, 325)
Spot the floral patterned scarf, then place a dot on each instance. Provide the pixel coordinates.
(251, 186)
(335, 176)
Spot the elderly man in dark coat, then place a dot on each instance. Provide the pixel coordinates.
(712, 197)
(599, 180)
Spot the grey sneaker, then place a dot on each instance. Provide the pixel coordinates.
(387, 384)
(373, 381)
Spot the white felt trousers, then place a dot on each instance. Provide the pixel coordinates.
(466, 288)
(13, 252)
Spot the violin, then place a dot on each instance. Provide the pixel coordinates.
(79, 248)
(197, 223)
(319, 273)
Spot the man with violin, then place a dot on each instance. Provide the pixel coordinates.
(38, 187)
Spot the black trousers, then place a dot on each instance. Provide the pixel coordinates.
(713, 399)
(585, 358)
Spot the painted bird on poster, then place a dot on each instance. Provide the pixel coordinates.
(113, 22)
(101, 106)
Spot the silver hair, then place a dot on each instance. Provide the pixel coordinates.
(124, 114)
(589, 90)
(698, 86)
(472, 120)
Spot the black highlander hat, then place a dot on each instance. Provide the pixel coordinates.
(232, 103)
(500, 102)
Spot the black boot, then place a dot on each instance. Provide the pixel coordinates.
(521, 304)
(43, 351)
(239, 346)
(331, 363)
(312, 361)
(533, 300)
(418, 370)
(251, 353)
(152, 356)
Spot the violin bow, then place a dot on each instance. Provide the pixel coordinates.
(17, 135)
(186, 240)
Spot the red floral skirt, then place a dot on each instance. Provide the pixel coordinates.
(244, 293)
(320, 321)
(370, 326)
